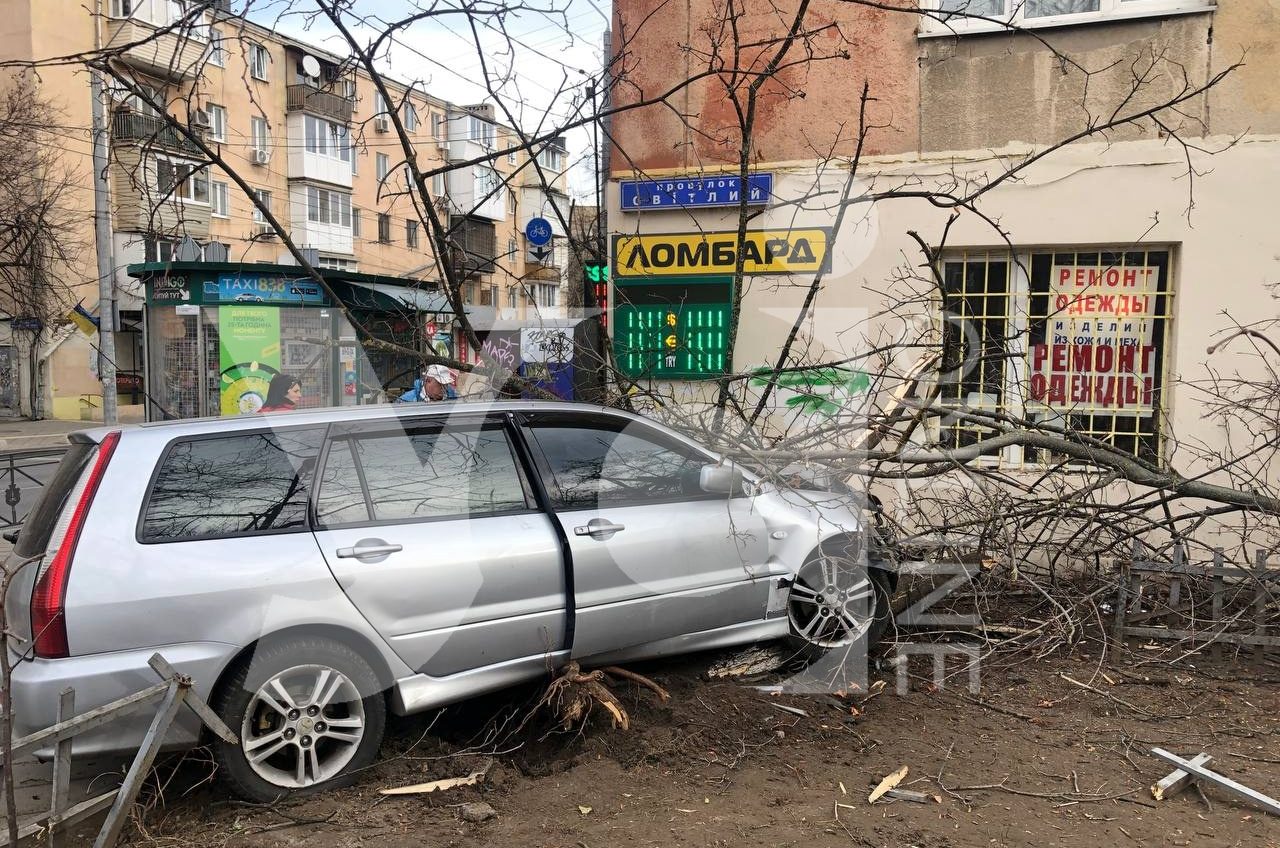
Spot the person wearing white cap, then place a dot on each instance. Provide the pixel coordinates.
(435, 384)
(436, 380)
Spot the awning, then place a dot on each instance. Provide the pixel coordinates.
(385, 297)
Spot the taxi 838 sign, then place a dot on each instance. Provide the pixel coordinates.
(1099, 353)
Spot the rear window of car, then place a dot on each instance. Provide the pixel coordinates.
(418, 476)
(239, 485)
(38, 526)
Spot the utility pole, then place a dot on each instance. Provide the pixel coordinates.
(102, 243)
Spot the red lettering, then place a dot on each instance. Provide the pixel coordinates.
(1038, 384)
(1104, 358)
(1064, 276)
(1057, 389)
(1060, 357)
(1081, 358)
(1124, 363)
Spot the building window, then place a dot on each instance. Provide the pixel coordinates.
(182, 181)
(326, 138)
(384, 228)
(1074, 338)
(264, 198)
(220, 200)
(217, 50)
(217, 122)
(948, 16)
(546, 295)
(379, 104)
(511, 154)
(325, 206)
(411, 233)
(259, 61)
(336, 263)
(489, 184)
(551, 158)
(259, 133)
(482, 131)
(439, 126)
(410, 117)
(511, 298)
(355, 223)
(381, 166)
(437, 184)
(512, 248)
(158, 250)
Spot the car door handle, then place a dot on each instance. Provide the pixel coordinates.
(359, 551)
(598, 527)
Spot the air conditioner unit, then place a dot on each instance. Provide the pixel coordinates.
(382, 123)
(200, 120)
(260, 156)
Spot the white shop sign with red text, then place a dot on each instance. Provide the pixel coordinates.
(1098, 354)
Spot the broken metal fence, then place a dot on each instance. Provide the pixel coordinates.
(173, 692)
(1210, 604)
(23, 474)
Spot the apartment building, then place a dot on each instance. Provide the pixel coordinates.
(309, 135)
(1170, 222)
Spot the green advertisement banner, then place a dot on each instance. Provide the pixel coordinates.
(249, 355)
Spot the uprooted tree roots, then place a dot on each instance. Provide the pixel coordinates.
(573, 694)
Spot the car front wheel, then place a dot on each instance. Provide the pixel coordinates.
(308, 713)
(836, 602)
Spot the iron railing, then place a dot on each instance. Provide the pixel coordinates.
(134, 126)
(24, 474)
(307, 98)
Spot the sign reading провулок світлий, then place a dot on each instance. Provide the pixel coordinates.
(694, 192)
(799, 251)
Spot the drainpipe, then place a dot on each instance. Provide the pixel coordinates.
(102, 238)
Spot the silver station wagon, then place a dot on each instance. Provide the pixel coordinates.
(312, 570)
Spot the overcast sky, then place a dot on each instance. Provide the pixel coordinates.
(537, 57)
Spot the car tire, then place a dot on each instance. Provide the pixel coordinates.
(308, 712)
(814, 606)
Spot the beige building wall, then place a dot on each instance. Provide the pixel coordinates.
(38, 29)
(988, 102)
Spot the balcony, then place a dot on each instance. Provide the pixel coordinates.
(474, 245)
(132, 127)
(141, 207)
(312, 166)
(174, 55)
(307, 98)
(539, 202)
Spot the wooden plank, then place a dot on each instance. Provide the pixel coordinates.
(93, 718)
(1174, 782)
(1260, 603)
(1205, 570)
(1215, 605)
(78, 813)
(193, 701)
(1205, 636)
(1268, 803)
(60, 791)
(1122, 597)
(141, 765)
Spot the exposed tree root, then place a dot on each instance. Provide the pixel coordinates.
(573, 694)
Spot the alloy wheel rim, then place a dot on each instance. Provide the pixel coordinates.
(832, 602)
(303, 726)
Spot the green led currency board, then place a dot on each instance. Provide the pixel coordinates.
(673, 329)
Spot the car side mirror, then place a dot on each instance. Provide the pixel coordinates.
(723, 479)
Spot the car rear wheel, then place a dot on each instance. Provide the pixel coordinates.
(836, 602)
(308, 713)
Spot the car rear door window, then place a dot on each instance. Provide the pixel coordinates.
(601, 463)
(234, 485)
(418, 475)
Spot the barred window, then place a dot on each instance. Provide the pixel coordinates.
(1068, 337)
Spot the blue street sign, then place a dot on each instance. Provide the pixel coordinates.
(695, 191)
(538, 232)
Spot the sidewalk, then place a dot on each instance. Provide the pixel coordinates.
(21, 434)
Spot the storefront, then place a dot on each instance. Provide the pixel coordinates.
(215, 335)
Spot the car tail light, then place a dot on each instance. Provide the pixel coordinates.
(48, 622)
